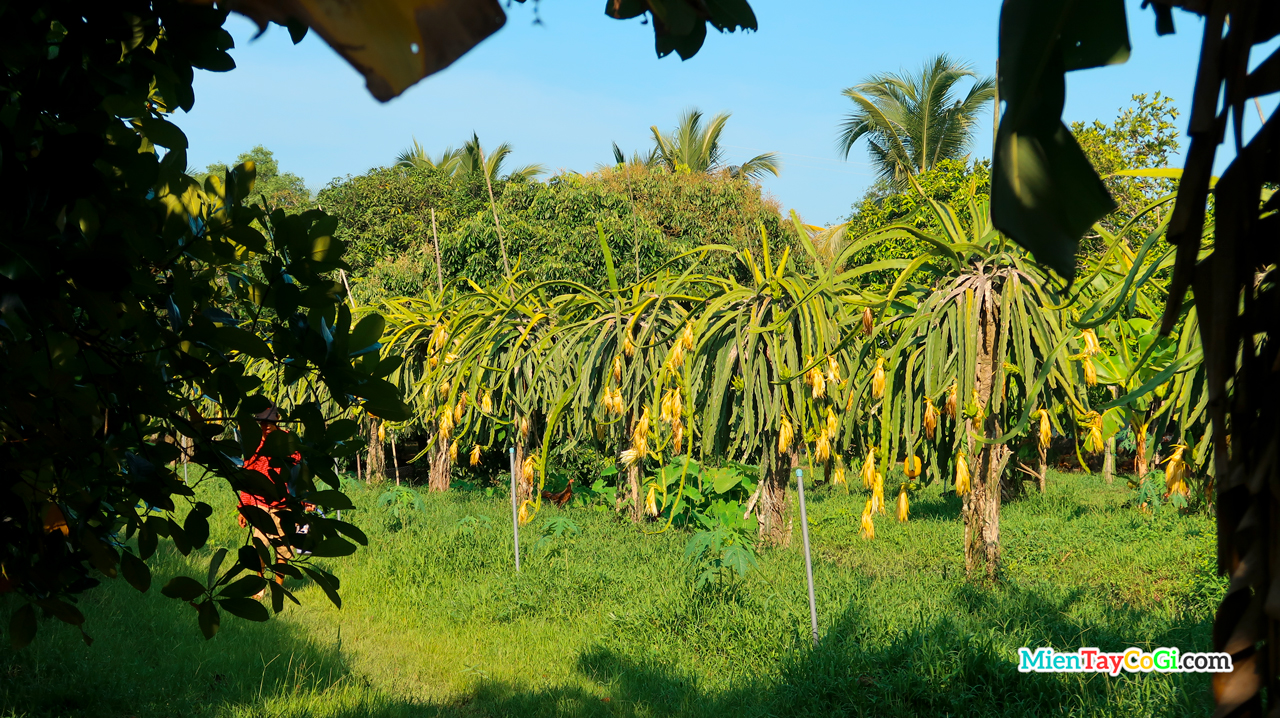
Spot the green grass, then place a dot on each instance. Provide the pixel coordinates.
(608, 623)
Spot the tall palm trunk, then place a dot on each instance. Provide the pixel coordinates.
(438, 477)
(982, 503)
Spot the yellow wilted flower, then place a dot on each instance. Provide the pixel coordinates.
(443, 389)
(833, 371)
(628, 346)
(868, 530)
(670, 408)
(445, 423)
(524, 512)
(629, 457)
(453, 452)
(524, 427)
(912, 466)
(686, 337)
(822, 452)
(816, 381)
(1091, 345)
(382, 433)
(677, 435)
(486, 403)
(676, 357)
(877, 379)
(1090, 371)
(877, 493)
(600, 431)
(837, 477)
(904, 509)
(475, 455)
(651, 501)
(640, 434)
(785, 435)
(833, 425)
(979, 411)
(962, 476)
(617, 368)
(1093, 441)
(930, 419)
(450, 358)
(614, 403)
(868, 321)
(949, 408)
(869, 469)
(460, 409)
(529, 467)
(1175, 472)
(1046, 432)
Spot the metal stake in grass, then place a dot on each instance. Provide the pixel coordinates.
(515, 512)
(808, 564)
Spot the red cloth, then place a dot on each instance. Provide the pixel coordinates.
(262, 465)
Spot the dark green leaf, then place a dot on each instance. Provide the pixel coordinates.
(209, 619)
(246, 608)
(135, 571)
(183, 588)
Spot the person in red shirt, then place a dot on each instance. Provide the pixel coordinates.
(269, 421)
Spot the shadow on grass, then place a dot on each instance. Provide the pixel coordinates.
(154, 663)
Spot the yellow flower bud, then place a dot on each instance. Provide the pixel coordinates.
(962, 476)
(904, 509)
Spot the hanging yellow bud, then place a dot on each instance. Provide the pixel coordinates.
(962, 476)
(1046, 432)
(628, 346)
(600, 430)
(1093, 440)
(686, 337)
(833, 425)
(868, 530)
(382, 433)
(869, 469)
(443, 389)
(949, 408)
(675, 359)
(670, 408)
(486, 403)
(640, 434)
(529, 468)
(837, 476)
(904, 509)
(930, 419)
(524, 514)
(1091, 346)
(524, 427)
(912, 466)
(450, 358)
(445, 423)
(460, 409)
(1175, 472)
(833, 371)
(475, 455)
(816, 381)
(1090, 371)
(785, 435)
(677, 436)
(617, 368)
(868, 321)
(453, 452)
(822, 452)
(877, 379)
(651, 501)
(877, 493)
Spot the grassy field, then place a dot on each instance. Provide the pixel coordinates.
(608, 622)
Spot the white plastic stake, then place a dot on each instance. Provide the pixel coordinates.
(515, 512)
(808, 563)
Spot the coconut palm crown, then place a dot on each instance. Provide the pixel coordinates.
(696, 147)
(912, 122)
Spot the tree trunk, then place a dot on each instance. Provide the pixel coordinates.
(1140, 465)
(633, 491)
(1109, 460)
(772, 508)
(982, 504)
(376, 467)
(438, 476)
(1043, 475)
(525, 446)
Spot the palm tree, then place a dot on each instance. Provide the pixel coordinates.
(648, 161)
(417, 156)
(472, 158)
(911, 122)
(697, 148)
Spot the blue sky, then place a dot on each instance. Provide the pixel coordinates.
(562, 91)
